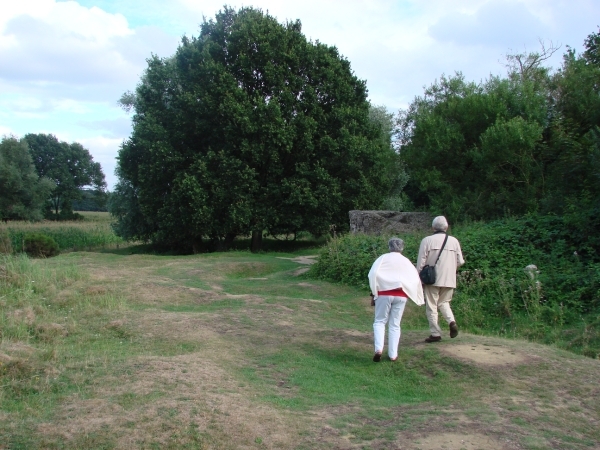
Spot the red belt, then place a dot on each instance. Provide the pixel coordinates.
(393, 293)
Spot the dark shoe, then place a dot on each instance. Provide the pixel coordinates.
(453, 329)
(433, 339)
(377, 357)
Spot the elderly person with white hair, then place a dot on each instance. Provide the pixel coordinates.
(392, 280)
(443, 252)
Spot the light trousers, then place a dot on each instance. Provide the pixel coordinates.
(388, 310)
(437, 298)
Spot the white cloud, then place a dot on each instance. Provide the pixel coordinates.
(63, 65)
(68, 17)
(497, 23)
(81, 53)
(118, 128)
(5, 131)
(26, 104)
(104, 151)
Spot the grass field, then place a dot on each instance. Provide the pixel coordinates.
(91, 233)
(114, 349)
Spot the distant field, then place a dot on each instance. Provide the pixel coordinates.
(115, 350)
(96, 216)
(91, 233)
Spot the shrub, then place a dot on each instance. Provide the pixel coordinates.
(348, 259)
(63, 215)
(494, 293)
(40, 245)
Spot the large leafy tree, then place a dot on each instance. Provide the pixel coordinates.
(476, 150)
(70, 166)
(574, 143)
(397, 200)
(575, 133)
(248, 127)
(529, 142)
(22, 192)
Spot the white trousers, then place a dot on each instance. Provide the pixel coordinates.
(437, 298)
(388, 309)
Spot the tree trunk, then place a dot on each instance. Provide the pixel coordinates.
(256, 243)
(229, 238)
(197, 245)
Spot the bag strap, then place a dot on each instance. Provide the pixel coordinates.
(441, 250)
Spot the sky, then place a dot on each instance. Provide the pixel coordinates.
(65, 64)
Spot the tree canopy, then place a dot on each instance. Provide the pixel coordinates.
(70, 166)
(249, 127)
(525, 143)
(22, 192)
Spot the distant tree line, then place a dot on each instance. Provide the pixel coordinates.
(90, 200)
(251, 129)
(526, 143)
(41, 177)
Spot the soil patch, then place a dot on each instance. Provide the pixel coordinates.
(201, 396)
(485, 354)
(455, 441)
(300, 271)
(308, 259)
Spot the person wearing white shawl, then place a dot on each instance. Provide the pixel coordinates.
(392, 279)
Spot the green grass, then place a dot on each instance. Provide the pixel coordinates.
(339, 376)
(174, 348)
(92, 233)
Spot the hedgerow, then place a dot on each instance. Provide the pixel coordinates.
(556, 300)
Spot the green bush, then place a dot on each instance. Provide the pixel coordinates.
(40, 245)
(557, 303)
(568, 267)
(347, 259)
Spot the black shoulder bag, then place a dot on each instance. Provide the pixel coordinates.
(427, 273)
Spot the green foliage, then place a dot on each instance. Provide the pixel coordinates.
(527, 145)
(40, 246)
(124, 206)
(64, 214)
(69, 236)
(396, 199)
(70, 166)
(91, 201)
(574, 137)
(248, 128)
(475, 150)
(568, 268)
(348, 259)
(22, 192)
(507, 146)
(495, 292)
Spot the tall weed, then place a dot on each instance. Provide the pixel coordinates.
(26, 287)
(70, 236)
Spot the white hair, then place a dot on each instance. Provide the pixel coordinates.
(439, 223)
(396, 244)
